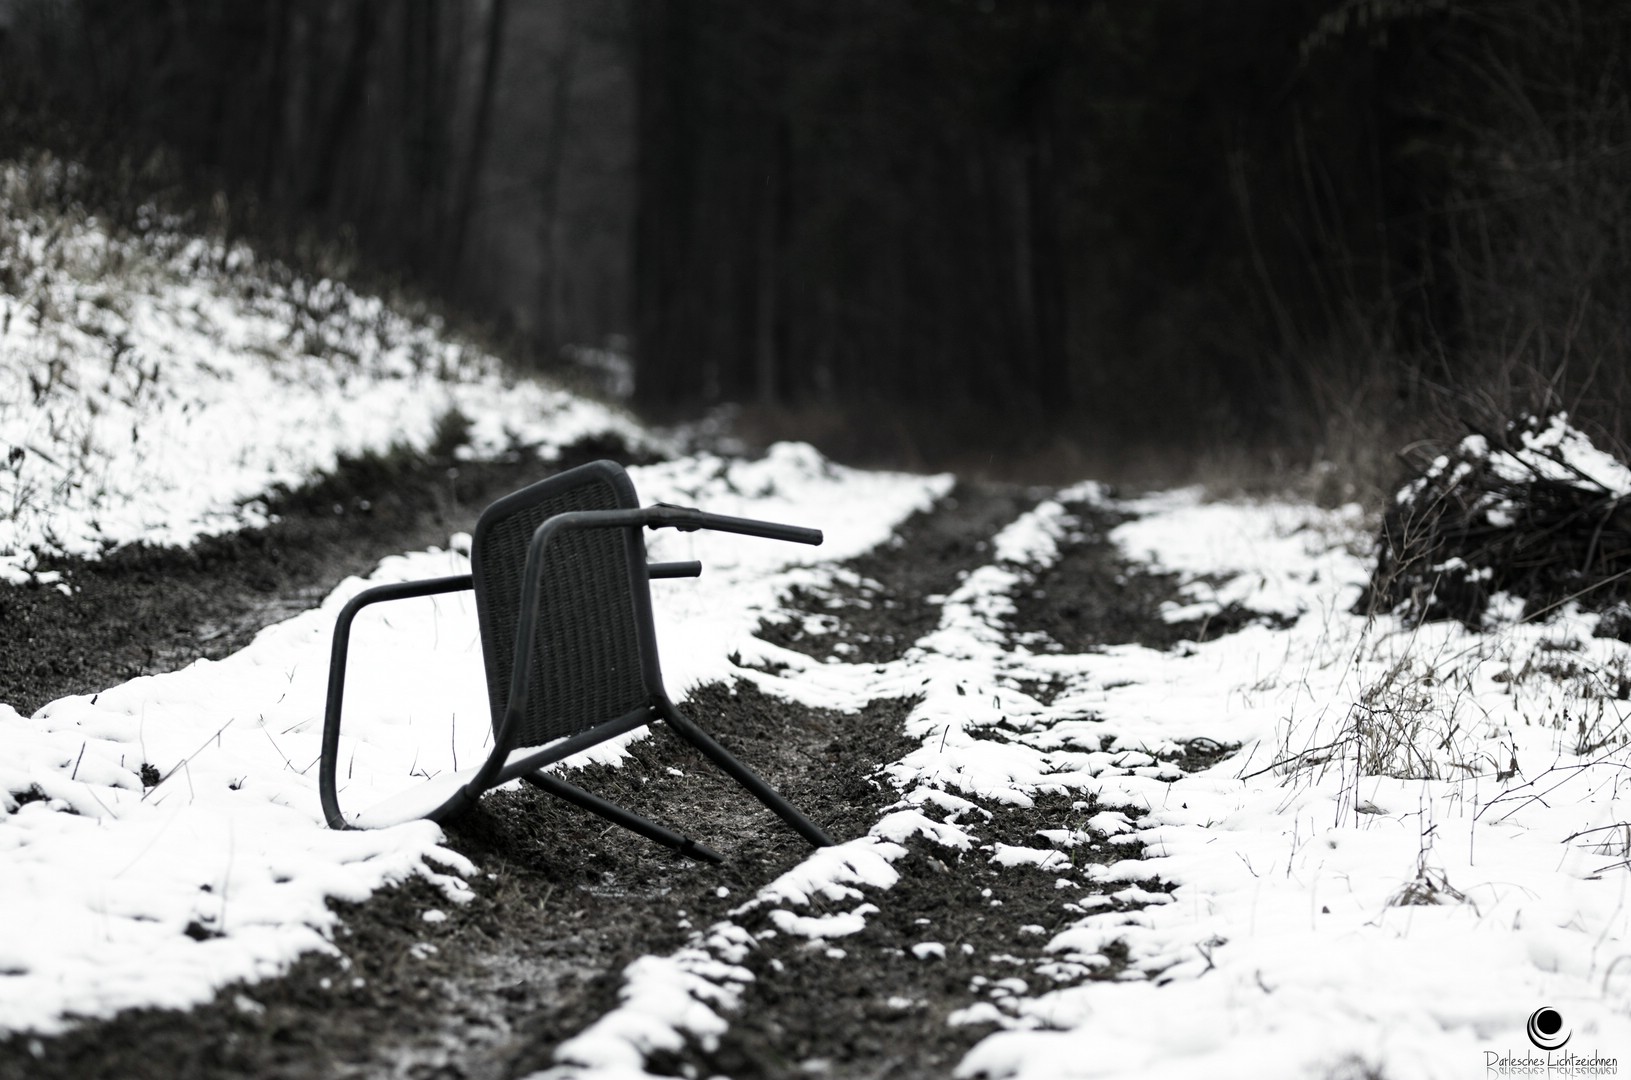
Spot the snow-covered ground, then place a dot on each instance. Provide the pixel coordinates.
(1419, 843)
(1368, 880)
(105, 876)
(1368, 883)
(1409, 914)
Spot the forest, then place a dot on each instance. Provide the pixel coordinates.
(1204, 651)
(1313, 229)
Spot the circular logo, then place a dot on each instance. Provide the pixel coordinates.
(1546, 1028)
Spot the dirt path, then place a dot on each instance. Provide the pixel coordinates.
(566, 903)
(142, 611)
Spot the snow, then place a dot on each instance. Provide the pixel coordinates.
(663, 999)
(104, 876)
(1320, 919)
(1420, 840)
(1539, 450)
(1283, 947)
(1560, 452)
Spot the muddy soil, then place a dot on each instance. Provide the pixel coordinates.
(891, 597)
(565, 901)
(143, 610)
(563, 904)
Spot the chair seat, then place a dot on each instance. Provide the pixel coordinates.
(417, 802)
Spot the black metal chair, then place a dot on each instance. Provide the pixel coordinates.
(563, 601)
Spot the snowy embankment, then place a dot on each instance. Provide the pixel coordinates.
(153, 390)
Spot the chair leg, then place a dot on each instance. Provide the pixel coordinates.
(626, 818)
(742, 774)
(327, 784)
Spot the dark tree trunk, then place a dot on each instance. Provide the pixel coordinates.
(1045, 275)
(666, 319)
(480, 127)
(776, 384)
(552, 298)
(278, 16)
(343, 110)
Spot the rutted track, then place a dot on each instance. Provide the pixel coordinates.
(141, 611)
(567, 903)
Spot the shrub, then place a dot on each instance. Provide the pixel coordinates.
(1534, 511)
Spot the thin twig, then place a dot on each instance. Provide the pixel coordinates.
(1296, 756)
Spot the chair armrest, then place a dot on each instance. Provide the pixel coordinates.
(689, 519)
(689, 568)
(654, 517)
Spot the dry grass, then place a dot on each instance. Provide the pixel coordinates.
(1508, 512)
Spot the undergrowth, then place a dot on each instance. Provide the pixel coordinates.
(120, 333)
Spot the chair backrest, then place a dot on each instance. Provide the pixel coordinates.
(594, 637)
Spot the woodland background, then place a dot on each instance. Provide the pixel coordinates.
(1310, 229)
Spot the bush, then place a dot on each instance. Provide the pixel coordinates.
(1534, 511)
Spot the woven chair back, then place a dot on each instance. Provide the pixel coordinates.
(594, 621)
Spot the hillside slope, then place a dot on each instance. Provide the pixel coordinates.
(159, 387)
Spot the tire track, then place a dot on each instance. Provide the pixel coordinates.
(565, 903)
(901, 977)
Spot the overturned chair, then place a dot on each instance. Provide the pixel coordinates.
(563, 601)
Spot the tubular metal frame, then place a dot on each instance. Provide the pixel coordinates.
(497, 768)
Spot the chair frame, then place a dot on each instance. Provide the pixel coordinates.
(497, 768)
